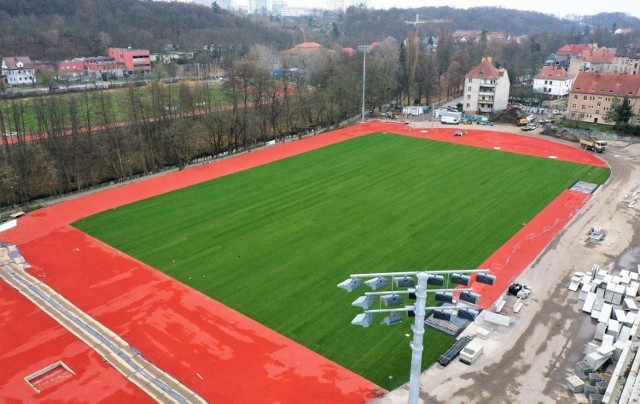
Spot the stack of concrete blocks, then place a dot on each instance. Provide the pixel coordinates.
(611, 301)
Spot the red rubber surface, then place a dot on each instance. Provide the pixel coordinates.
(221, 354)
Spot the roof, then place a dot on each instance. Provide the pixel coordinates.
(573, 49)
(611, 84)
(485, 70)
(17, 62)
(305, 47)
(598, 55)
(553, 73)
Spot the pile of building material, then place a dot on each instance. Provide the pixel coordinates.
(611, 301)
(634, 197)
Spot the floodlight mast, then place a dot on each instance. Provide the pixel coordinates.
(418, 337)
(420, 313)
(364, 49)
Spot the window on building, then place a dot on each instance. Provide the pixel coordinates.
(584, 107)
(598, 104)
(468, 96)
(584, 98)
(597, 111)
(470, 81)
(468, 105)
(575, 97)
(469, 88)
(573, 106)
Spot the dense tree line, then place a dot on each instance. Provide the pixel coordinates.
(362, 26)
(96, 137)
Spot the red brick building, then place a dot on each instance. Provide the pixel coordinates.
(136, 61)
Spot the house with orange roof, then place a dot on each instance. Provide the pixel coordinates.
(593, 60)
(305, 55)
(486, 88)
(593, 93)
(574, 49)
(553, 81)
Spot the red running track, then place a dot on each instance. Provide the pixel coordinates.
(221, 354)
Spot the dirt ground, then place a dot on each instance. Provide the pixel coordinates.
(529, 361)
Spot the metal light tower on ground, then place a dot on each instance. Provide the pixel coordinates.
(364, 49)
(425, 278)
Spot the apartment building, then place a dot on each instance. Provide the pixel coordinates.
(593, 92)
(553, 81)
(18, 70)
(486, 88)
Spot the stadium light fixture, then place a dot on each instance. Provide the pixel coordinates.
(391, 300)
(364, 302)
(442, 315)
(468, 314)
(460, 279)
(350, 284)
(404, 281)
(435, 280)
(445, 297)
(376, 283)
(469, 297)
(363, 319)
(393, 318)
(487, 279)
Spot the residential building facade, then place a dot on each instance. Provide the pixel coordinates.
(627, 60)
(594, 60)
(593, 93)
(553, 81)
(136, 61)
(486, 88)
(18, 70)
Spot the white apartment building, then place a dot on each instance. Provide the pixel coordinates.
(18, 70)
(553, 81)
(486, 88)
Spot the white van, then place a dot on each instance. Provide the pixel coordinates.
(471, 352)
(449, 119)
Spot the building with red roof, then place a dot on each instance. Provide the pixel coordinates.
(553, 81)
(594, 60)
(573, 49)
(486, 88)
(593, 92)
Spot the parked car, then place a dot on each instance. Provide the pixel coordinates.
(529, 127)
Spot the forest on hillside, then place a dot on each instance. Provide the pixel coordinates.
(61, 29)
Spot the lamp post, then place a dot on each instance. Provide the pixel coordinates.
(364, 49)
(425, 278)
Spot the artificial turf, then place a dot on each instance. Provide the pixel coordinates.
(272, 242)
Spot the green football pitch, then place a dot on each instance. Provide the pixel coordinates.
(274, 241)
